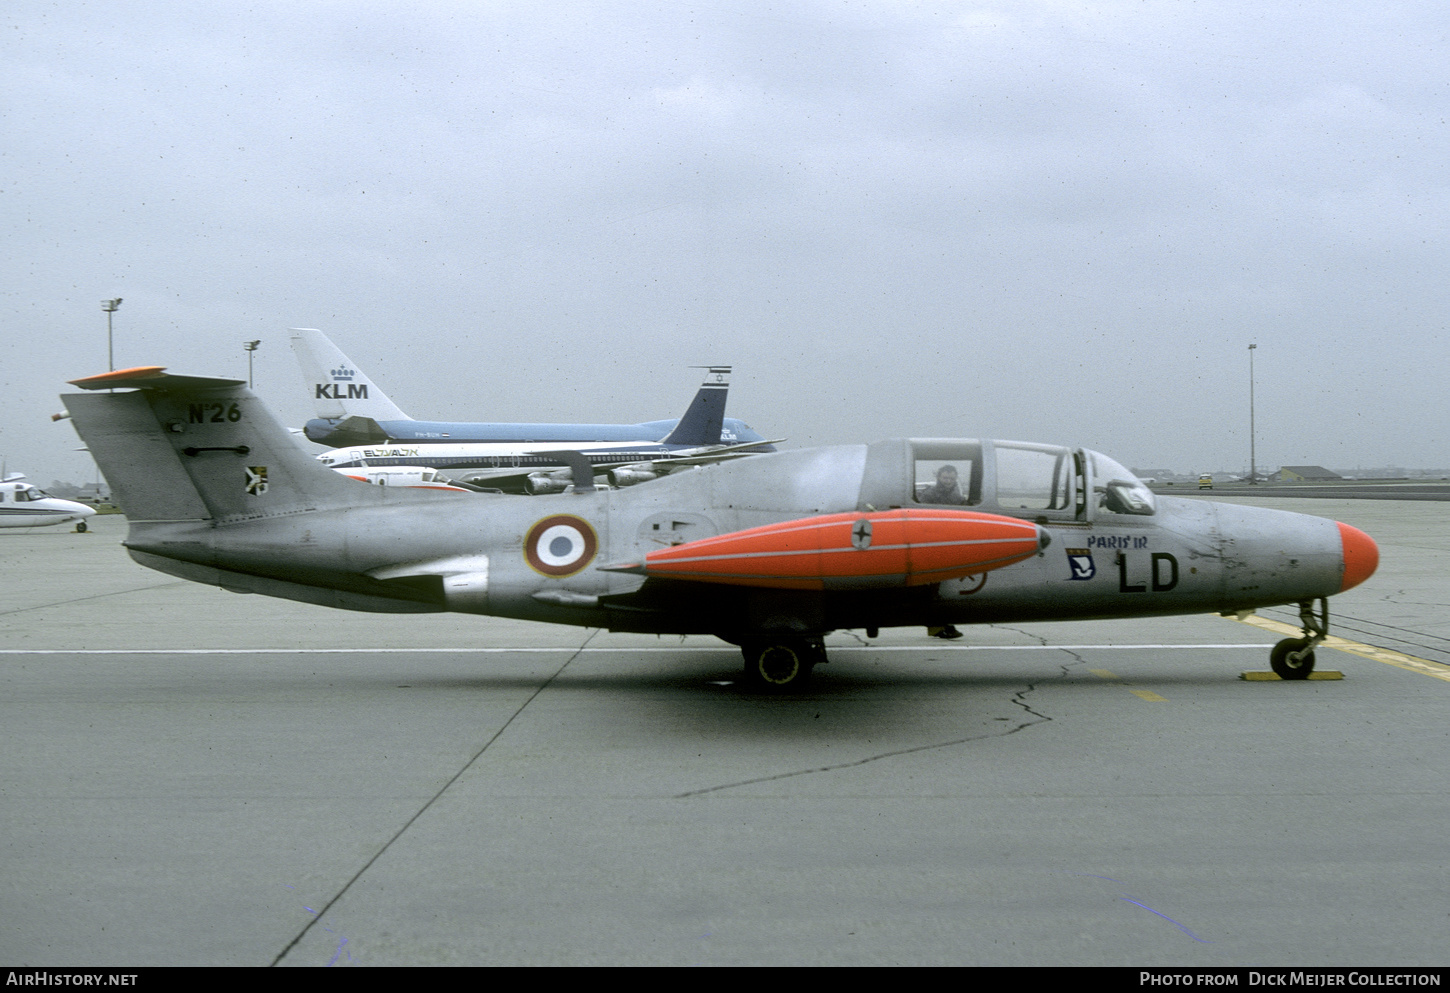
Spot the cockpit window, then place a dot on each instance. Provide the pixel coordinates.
(1034, 477)
(1117, 490)
(944, 483)
(948, 474)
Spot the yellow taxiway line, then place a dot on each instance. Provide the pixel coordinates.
(1113, 677)
(1423, 666)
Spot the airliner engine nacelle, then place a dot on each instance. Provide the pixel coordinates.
(630, 475)
(540, 483)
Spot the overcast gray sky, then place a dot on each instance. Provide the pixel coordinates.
(1048, 221)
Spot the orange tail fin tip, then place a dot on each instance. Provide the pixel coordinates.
(138, 372)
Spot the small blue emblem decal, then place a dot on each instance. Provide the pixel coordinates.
(1081, 560)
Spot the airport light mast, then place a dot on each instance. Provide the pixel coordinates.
(250, 346)
(1253, 468)
(109, 306)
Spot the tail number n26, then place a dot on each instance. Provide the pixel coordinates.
(220, 413)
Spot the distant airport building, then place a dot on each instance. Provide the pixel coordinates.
(1304, 474)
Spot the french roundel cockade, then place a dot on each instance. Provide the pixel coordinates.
(560, 545)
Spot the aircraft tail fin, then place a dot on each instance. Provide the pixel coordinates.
(339, 388)
(706, 414)
(188, 448)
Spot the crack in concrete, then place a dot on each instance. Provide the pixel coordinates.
(1397, 595)
(1018, 699)
(95, 596)
(1066, 669)
(433, 799)
(1026, 634)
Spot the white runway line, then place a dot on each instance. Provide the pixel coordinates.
(681, 648)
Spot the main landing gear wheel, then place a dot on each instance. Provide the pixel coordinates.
(780, 666)
(1285, 663)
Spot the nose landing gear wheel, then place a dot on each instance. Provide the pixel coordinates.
(779, 666)
(1293, 658)
(1285, 665)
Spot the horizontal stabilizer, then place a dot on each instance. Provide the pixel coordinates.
(893, 548)
(151, 377)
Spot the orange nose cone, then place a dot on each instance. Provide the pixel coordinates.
(1361, 556)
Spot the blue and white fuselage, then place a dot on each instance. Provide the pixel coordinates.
(353, 411)
(502, 455)
(322, 430)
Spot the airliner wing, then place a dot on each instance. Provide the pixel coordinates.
(620, 472)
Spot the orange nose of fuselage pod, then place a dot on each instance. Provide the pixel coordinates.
(1361, 556)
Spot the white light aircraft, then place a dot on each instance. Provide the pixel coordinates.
(26, 506)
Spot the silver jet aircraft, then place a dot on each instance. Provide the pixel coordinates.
(769, 553)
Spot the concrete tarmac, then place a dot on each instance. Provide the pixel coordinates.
(190, 776)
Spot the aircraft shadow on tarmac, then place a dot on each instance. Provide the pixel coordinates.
(852, 674)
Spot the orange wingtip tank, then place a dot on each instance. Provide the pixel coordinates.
(120, 375)
(908, 547)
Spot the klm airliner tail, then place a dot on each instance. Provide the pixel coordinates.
(339, 388)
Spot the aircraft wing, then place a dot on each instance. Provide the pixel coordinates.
(489, 480)
(720, 454)
(620, 472)
(534, 481)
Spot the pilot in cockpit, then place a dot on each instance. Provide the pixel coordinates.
(944, 490)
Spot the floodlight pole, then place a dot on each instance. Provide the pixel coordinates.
(1253, 467)
(250, 346)
(109, 306)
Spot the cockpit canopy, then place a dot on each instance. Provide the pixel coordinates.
(1015, 478)
(24, 492)
(1118, 491)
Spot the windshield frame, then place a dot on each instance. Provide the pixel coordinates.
(1117, 494)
